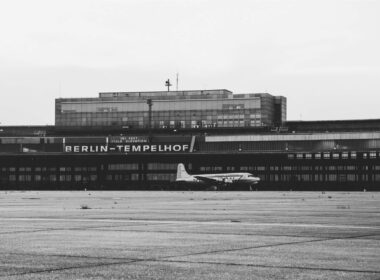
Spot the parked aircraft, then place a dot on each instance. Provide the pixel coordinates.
(216, 181)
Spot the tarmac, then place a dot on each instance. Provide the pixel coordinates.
(189, 235)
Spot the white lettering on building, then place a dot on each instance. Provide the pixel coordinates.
(135, 148)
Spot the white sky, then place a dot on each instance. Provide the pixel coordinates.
(323, 55)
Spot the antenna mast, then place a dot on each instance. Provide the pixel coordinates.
(177, 82)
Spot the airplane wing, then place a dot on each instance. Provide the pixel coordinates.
(210, 180)
(217, 180)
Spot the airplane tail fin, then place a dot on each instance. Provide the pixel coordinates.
(181, 172)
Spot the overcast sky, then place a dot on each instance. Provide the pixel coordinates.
(324, 56)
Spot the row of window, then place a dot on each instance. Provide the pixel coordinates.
(123, 166)
(166, 115)
(350, 177)
(172, 124)
(49, 169)
(173, 166)
(320, 177)
(162, 166)
(170, 177)
(328, 155)
(122, 177)
(289, 168)
(169, 105)
(50, 178)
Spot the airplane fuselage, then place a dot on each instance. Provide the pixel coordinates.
(226, 178)
(215, 180)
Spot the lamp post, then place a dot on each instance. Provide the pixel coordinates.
(150, 104)
(168, 84)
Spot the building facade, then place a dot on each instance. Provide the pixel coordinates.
(283, 161)
(172, 109)
(103, 143)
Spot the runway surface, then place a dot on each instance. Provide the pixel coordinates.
(189, 235)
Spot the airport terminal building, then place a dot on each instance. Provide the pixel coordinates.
(172, 109)
(135, 140)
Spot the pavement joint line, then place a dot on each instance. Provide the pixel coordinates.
(191, 222)
(274, 266)
(226, 233)
(102, 228)
(165, 258)
(131, 261)
(66, 256)
(58, 229)
(67, 268)
(268, 246)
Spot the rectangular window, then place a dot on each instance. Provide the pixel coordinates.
(24, 178)
(351, 177)
(332, 177)
(123, 166)
(162, 166)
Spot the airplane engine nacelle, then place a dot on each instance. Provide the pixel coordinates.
(228, 181)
